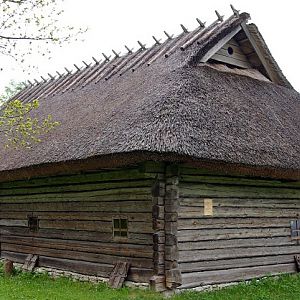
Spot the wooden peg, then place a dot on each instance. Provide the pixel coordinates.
(142, 45)
(58, 74)
(106, 57)
(220, 18)
(30, 82)
(43, 79)
(115, 53)
(69, 72)
(128, 49)
(51, 77)
(235, 11)
(168, 36)
(156, 40)
(87, 65)
(8, 267)
(202, 25)
(36, 81)
(95, 60)
(184, 28)
(78, 69)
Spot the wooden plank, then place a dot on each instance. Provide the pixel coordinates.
(216, 254)
(118, 274)
(219, 44)
(211, 190)
(229, 180)
(78, 255)
(106, 188)
(222, 276)
(213, 265)
(82, 267)
(141, 195)
(113, 175)
(7, 218)
(195, 212)
(260, 54)
(243, 203)
(120, 249)
(238, 233)
(237, 243)
(231, 61)
(116, 207)
(30, 263)
(229, 222)
(81, 235)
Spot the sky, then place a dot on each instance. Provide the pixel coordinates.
(112, 24)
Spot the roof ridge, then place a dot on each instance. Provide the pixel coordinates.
(104, 70)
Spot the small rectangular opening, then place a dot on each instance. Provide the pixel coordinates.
(120, 227)
(33, 223)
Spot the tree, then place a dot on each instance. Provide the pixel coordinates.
(30, 27)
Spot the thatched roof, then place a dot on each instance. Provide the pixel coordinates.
(165, 102)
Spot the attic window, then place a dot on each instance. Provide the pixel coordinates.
(120, 227)
(33, 223)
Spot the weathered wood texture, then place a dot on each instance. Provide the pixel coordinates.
(165, 197)
(75, 215)
(248, 234)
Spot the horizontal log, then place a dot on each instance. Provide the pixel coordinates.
(72, 215)
(247, 203)
(117, 206)
(107, 188)
(102, 226)
(231, 233)
(142, 194)
(216, 254)
(237, 181)
(82, 267)
(213, 190)
(81, 235)
(78, 255)
(237, 243)
(222, 223)
(12, 222)
(117, 248)
(191, 280)
(108, 175)
(220, 212)
(211, 265)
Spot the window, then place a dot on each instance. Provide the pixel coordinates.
(120, 227)
(295, 229)
(33, 223)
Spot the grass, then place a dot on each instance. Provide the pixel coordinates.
(24, 286)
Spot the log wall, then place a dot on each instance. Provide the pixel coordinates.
(75, 221)
(248, 234)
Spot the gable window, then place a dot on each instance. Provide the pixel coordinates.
(33, 223)
(120, 227)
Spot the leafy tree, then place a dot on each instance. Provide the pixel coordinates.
(27, 27)
(20, 127)
(10, 90)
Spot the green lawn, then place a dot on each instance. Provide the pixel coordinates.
(42, 287)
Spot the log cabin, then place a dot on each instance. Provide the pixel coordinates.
(181, 159)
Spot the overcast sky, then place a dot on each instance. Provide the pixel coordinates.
(115, 23)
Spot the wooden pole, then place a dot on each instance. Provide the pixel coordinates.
(8, 267)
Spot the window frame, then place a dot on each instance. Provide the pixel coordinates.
(119, 227)
(33, 223)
